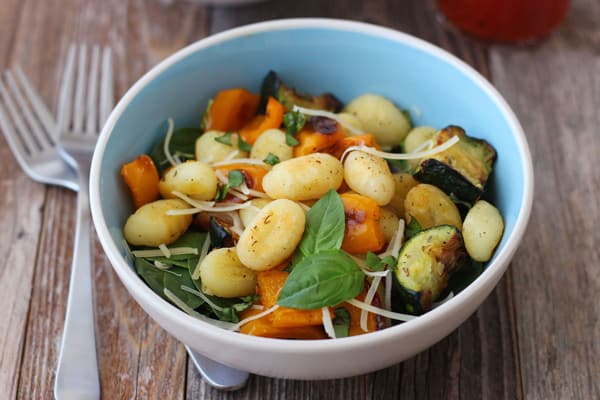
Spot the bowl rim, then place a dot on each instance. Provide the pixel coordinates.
(480, 288)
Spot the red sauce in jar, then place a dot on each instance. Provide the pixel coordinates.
(505, 20)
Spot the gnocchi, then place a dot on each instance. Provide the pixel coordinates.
(389, 222)
(304, 178)
(430, 207)
(403, 182)
(223, 274)
(209, 150)
(370, 176)
(272, 236)
(271, 141)
(482, 230)
(247, 214)
(151, 226)
(380, 117)
(192, 178)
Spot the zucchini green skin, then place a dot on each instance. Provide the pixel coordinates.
(461, 171)
(273, 86)
(424, 266)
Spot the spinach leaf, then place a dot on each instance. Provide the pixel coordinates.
(177, 277)
(229, 309)
(153, 276)
(377, 263)
(341, 322)
(412, 228)
(182, 145)
(325, 224)
(293, 121)
(323, 279)
(271, 159)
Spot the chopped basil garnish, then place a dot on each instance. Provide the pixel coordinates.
(271, 159)
(293, 121)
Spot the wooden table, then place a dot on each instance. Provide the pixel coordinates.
(538, 334)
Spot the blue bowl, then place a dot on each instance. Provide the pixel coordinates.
(315, 55)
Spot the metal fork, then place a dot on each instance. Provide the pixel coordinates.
(28, 125)
(81, 114)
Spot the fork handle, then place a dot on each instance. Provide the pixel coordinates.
(77, 374)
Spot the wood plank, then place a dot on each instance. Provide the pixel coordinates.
(554, 89)
(478, 360)
(20, 221)
(137, 359)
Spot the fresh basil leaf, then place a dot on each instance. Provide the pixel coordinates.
(293, 121)
(321, 280)
(182, 145)
(271, 159)
(412, 228)
(243, 145)
(225, 139)
(325, 224)
(341, 322)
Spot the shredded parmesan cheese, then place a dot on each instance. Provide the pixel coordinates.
(396, 243)
(368, 300)
(195, 210)
(253, 161)
(165, 250)
(236, 327)
(236, 193)
(380, 311)
(190, 311)
(168, 137)
(203, 253)
(244, 188)
(161, 266)
(193, 202)
(202, 296)
(403, 156)
(175, 251)
(257, 307)
(231, 155)
(327, 114)
(327, 322)
(387, 303)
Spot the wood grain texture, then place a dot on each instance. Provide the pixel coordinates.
(556, 269)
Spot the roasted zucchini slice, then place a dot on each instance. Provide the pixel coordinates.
(424, 266)
(273, 86)
(463, 169)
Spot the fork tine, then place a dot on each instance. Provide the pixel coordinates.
(15, 145)
(37, 103)
(106, 87)
(92, 95)
(36, 129)
(80, 90)
(66, 93)
(22, 130)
